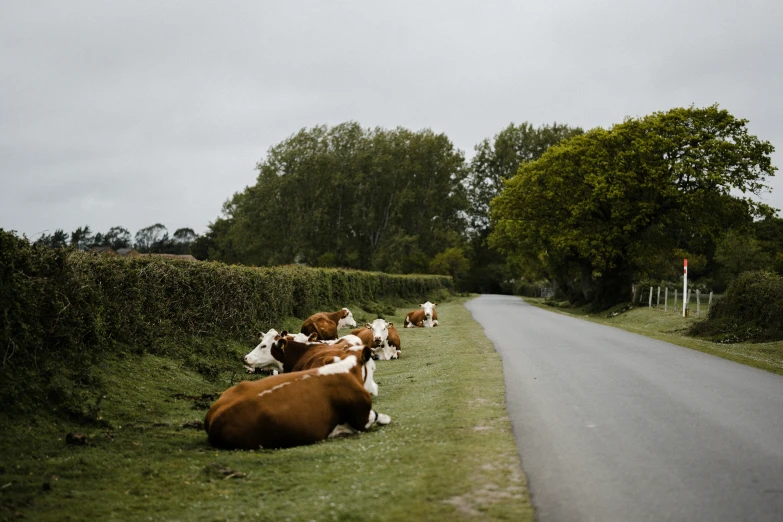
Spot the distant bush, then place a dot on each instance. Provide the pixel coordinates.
(750, 310)
(62, 310)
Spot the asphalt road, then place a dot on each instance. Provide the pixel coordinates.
(613, 426)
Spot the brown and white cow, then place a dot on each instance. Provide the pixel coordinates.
(266, 356)
(427, 317)
(293, 409)
(326, 324)
(382, 337)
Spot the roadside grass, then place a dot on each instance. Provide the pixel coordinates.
(670, 327)
(448, 453)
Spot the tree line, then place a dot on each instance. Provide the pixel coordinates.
(152, 239)
(590, 212)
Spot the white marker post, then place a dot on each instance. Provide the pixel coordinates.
(684, 287)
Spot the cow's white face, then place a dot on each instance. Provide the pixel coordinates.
(347, 321)
(261, 356)
(380, 331)
(428, 308)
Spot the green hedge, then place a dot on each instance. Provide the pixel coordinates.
(61, 310)
(751, 309)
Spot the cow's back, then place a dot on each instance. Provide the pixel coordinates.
(414, 318)
(286, 410)
(321, 325)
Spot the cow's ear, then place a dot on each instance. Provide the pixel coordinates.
(389, 325)
(283, 333)
(312, 338)
(366, 354)
(434, 305)
(421, 306)
(368, 325)
(282, 343)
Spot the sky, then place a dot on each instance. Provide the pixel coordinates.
(141, 112)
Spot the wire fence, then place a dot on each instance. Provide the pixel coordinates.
(671, 300)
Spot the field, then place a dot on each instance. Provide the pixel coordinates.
(671, 327)
(448, 453)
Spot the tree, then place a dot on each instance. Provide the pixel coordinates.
(348, 196)
(451, 261)
(609, 206)
(59, 239)
(82, 238)
(495, 161)
(152, 238)
(739, 252)
(117, 237)
(499, 159)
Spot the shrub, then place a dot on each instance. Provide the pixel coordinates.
(750, 310)
(62, 310)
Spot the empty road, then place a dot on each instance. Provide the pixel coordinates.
(613, 426)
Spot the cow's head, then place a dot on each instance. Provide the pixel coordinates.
(380, 331)
(346, 319)
(428, 308)
(261, 357)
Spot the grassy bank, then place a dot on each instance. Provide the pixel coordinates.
(448, 453)
(671, 327)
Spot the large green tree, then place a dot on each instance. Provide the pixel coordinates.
(599, 210)
(348, 196)
(495, 161)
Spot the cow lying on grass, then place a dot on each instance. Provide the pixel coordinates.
(382, 337)
(325, 324)
(297, 408)
(427, 317)
(263, 358)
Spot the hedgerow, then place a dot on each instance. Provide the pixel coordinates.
(751, 309)
(62, 310)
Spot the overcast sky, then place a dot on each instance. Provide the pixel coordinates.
(133, 113)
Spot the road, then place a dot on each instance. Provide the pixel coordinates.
(613, 426)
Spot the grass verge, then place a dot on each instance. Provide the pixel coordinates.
(449, 452)
(671, 327)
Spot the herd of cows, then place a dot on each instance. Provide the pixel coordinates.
(322, 385)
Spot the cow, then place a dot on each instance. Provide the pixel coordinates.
(427, 317)
(325, 324)
(298, 408)
(262, 357)
(382, 337)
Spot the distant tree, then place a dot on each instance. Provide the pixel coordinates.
(738, 252)
(347, 196)
(451, 261)
(152, 238)
(181, 241)
(82, 238)
(59, 239)
(499, 159)
(600, 209)
(495, 161)
(117, 237)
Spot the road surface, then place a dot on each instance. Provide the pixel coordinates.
(613, 426)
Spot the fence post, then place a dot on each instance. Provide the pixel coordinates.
(658, 301)
(649, 305)
(698, 303)
(709, 303)
(666, 300)
(675, 300)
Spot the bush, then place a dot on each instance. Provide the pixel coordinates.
(750, 310)
(62, 310)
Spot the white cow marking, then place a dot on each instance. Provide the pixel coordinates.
(340, 366)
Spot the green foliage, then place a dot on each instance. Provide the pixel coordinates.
(599, 210)
(347, 196)
(499, 159)
(63, 310)
(451, 262)
(750, 309)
